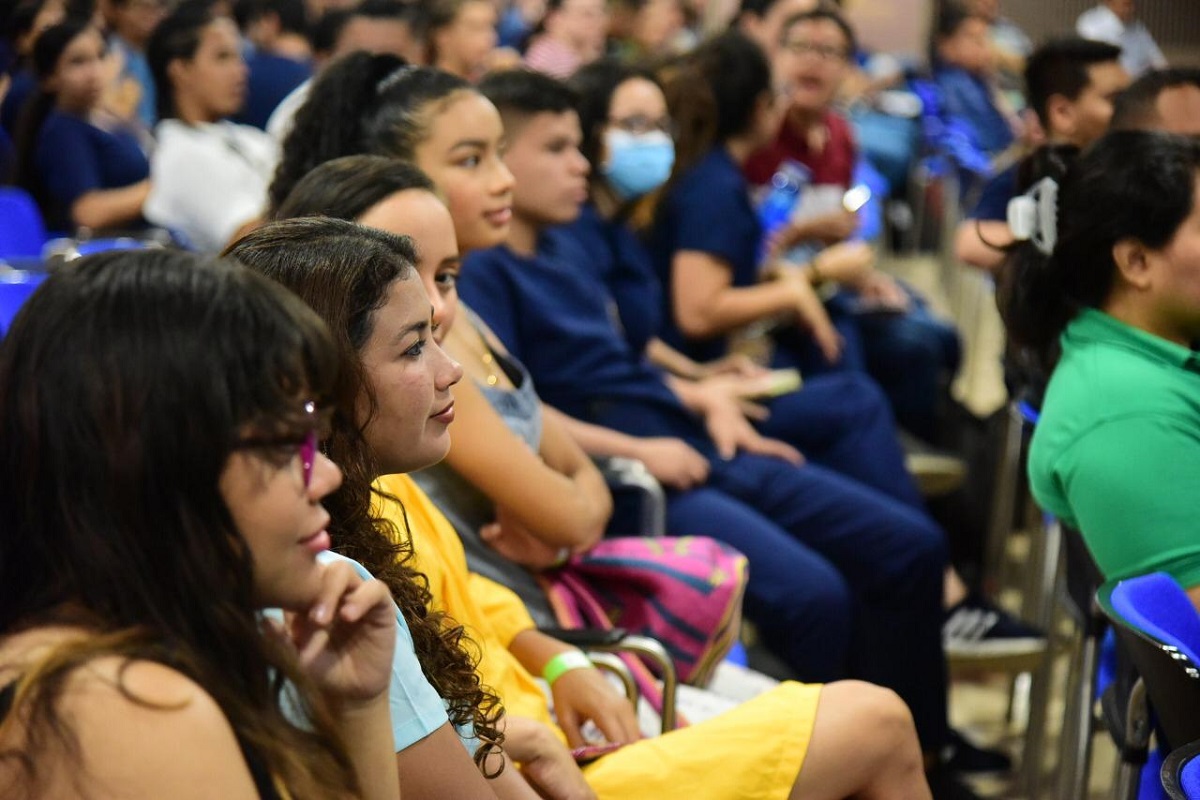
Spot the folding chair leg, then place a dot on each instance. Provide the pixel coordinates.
(1079, 722)
(1003, 500)
(1049, 578)
(1136, 744)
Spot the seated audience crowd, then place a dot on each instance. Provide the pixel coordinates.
(310, 475)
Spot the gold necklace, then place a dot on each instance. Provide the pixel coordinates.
(489, 362)
(485, 356)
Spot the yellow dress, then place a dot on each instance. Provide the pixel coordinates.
(753, 751)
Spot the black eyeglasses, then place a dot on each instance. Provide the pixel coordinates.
(306, 445)
(638, 124)
(821, 51)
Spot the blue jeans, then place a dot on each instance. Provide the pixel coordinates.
(911, 355)
(845, 581)
(842, 421)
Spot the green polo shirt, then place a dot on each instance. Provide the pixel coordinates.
(1116, 452)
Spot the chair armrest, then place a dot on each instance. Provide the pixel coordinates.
(585, 638)
(652, 651)
(609, 662)
(631, 474)
(617, 640)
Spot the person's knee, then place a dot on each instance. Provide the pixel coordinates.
(881, 717)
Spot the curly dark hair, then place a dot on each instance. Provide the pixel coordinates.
(343, 271)
(363, 103)
(126, 382)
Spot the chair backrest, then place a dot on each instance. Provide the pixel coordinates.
(22, 230)
(1157, 623)
(1083, 580)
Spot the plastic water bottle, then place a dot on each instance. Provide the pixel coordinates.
(776, 207)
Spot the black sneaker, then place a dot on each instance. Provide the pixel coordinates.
(976, 628)
(960, 756)
(945, 785)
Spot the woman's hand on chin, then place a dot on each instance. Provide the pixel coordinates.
(346, 640)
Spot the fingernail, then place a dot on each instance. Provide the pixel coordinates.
(319, 613)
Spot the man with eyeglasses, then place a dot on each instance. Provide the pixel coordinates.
(811, 62)
(906, 350)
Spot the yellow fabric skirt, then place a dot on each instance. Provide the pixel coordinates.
(751, 752)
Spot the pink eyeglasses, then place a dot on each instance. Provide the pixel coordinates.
(306, 445)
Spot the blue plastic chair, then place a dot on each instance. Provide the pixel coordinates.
(1159, 607)
(15, 289)
(1159, 628)
(22, 229)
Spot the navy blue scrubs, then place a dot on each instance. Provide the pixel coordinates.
(844, 580)
(74, 157)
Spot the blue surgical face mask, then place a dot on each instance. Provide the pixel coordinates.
(637, 163)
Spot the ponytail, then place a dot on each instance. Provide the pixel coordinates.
(694, 112)
(331, 121)
(29, 125)
(1034, 302)
(362, 104)
(715, 95)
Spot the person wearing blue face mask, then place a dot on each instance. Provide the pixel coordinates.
(638, 160)
(628, 140)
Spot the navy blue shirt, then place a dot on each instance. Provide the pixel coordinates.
(23, 87)
(557, 318)
(8, 157)
(271, 78)
(708, 210)
(619, 260)
(993, 202)
(74, 157)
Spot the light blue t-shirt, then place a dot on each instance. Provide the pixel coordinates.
(417, 710)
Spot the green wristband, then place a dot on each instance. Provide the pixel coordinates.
(563, 663)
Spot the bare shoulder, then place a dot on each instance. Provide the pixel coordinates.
(146, 730)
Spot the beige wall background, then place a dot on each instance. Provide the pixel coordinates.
(1175, 24)
(901, 26)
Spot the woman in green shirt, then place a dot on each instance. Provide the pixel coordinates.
(1115, 287)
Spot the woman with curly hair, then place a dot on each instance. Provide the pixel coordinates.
(363, 283)
(160, 484)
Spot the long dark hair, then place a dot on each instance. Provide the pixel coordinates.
(126, 382)
(47, 51)
(1129, 185)
(176, 38)
(713, 95)
(363, 103)
(343, 271)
